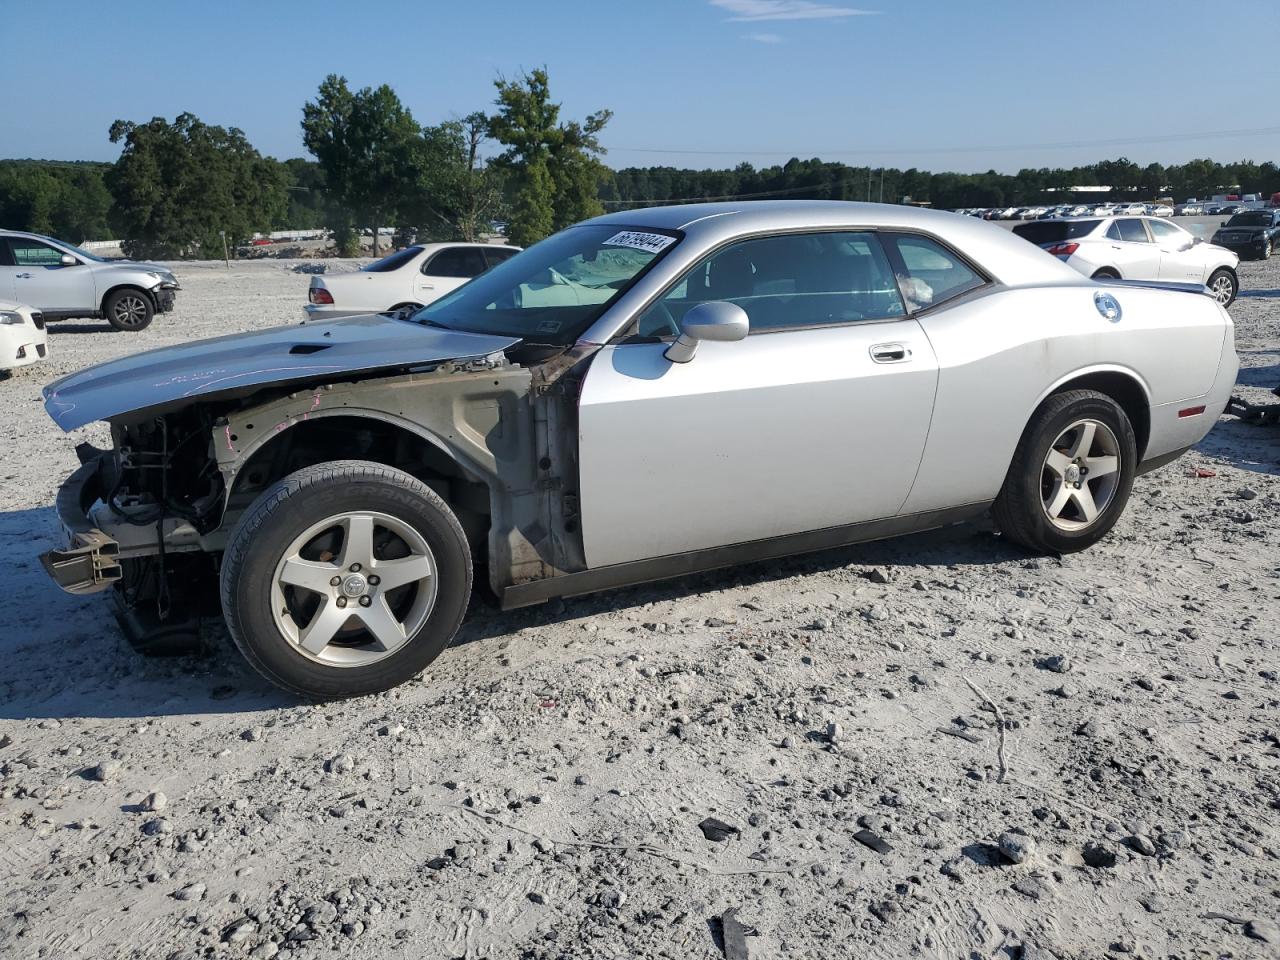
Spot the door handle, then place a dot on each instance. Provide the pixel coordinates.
(890, 353)
(426, 286)
(24, 276)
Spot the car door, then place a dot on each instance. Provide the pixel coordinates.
(1132, 252)
(1180, 260)
(43, 281)
(448, 270)
(817, 419)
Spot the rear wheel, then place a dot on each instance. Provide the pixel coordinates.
(128, 310)
(1071, 474)
(1223, 285)
(1106, 273)
(344, 579)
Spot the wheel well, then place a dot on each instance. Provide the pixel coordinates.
(364, 438)
(1106, 272)
(1127, 392)
(102, 305)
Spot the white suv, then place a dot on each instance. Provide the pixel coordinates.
(62, 281)
(1137, 248)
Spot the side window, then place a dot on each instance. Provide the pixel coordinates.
(6, 257)
(930, 273)
(496, 255)
(455, 262)
(787, 282)
(1131, 230)
(33, 253)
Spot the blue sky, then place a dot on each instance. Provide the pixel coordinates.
(937, 84)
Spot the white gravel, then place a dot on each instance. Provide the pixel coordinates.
(539, 792)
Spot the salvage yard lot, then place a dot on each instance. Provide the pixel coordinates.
(798, 701)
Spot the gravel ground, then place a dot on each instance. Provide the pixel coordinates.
(545, 790)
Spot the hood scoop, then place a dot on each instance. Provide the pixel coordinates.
(303, 349)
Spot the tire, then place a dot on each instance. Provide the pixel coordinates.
(1033, 487)
(128, 310)
(1267, 250)
(1106, 273)
(312, 523)
(1224, 285)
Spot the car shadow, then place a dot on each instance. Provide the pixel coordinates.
(965, 544)
(66, 657)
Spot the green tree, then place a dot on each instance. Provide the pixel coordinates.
(554, 169)
(178, 187)
(369, 149)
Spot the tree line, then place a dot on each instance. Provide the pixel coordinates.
(184, 188)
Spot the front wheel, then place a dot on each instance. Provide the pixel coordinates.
(1070, 476)
(128, 310)
(345, 578)
(1223, 285)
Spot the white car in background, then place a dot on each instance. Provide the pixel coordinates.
(1161, 210)
(1137, 248)
(412, 277)
(23, 338)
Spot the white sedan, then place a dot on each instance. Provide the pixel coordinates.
(1137, 248)
(23, 338)
(412, 277)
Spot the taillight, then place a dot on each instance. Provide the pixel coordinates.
(1064, 249)
(320, 295)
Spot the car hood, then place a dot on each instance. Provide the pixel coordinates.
(240, 363)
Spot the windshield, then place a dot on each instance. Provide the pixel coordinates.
(1250, 220)
(73, 249)
(553, 291)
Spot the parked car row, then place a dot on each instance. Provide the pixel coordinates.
(1069, 210)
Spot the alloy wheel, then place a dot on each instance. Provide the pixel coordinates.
(1080, 475)
(354, 588)
(130, 310)
(1223, 289)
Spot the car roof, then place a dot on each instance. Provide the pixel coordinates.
(1005, 256)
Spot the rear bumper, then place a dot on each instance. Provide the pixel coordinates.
(90, 562)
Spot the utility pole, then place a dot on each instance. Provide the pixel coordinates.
(225, 255)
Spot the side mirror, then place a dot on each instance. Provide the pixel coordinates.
(716, 320)
(68, 260)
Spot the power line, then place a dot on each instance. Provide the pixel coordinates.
(1059, 145)
(727, 196)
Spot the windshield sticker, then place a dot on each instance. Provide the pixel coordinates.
(548, 326)
(648, 242)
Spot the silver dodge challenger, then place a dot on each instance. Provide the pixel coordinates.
(638, 397)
